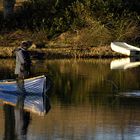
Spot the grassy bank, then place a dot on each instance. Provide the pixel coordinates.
(64, 52)
(67, 45)
(98, 52)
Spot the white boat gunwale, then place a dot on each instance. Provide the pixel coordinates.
(26, 80)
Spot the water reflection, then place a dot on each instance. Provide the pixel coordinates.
(17, 118)
(21, 118)
(129, 94)
(125, 63)
(85, 102)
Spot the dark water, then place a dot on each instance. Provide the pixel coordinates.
(89, 101)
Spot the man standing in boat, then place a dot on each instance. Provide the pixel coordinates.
(23, 61)
(23, 64)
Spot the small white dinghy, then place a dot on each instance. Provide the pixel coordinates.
(33, 95)
(125, 49)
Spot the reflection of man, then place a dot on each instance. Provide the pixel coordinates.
(22, 118)
(9, 122)
(16, 120)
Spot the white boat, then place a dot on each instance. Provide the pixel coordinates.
(124, 63)
(33, 95)
(125, 49)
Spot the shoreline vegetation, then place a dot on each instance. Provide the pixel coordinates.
(63, 52)
(55, 48)
(72, 29)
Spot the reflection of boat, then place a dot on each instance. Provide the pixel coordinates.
(124, 48)
(35, 89)
(134, 94)
(125, 63)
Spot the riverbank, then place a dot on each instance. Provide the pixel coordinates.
(64, 52)
(66, 45)
(70, 52)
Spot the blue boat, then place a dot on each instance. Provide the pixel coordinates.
(32, 92)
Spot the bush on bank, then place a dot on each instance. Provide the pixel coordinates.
(87, 23)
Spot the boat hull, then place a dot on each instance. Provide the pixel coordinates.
(125, 49)
(34, 85)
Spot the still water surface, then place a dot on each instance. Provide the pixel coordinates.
(88, 102)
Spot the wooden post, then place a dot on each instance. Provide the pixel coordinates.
(8, 8)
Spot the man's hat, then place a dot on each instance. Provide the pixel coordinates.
(26, 43)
